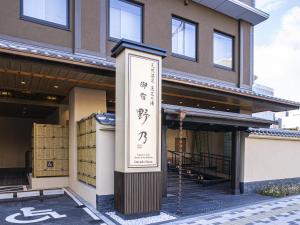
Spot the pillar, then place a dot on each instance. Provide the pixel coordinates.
(235, 162)
(164, 160)
(137, 180)
(82, 103)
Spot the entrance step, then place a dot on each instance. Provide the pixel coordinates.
(10, 193)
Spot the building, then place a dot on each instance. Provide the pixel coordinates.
(289, 120)
(56, 68)
(264, 90)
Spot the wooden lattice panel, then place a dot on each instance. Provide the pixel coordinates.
(50, 150)
(86, 147)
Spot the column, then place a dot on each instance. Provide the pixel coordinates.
(137, 186)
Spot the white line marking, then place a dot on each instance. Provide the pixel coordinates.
(28, 194)
(53, 192)
(73, 197)
(88, 211)
(6, 196)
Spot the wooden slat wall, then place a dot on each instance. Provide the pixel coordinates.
(50, 150)
(137, 193)
(86, 150)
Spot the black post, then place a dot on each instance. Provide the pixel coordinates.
(236, 162)
(164, 157)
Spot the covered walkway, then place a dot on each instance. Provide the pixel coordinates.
(201, 199)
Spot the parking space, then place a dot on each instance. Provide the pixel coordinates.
(46, 210)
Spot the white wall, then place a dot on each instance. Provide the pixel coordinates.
(105, 159)
(82, 103)
(270, 158)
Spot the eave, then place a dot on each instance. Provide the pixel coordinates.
(175, 79)
(213, 117)
(236, 9)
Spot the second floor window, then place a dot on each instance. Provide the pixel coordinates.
(223, 50)
(49, 12)
(125, 20)
(184, 38)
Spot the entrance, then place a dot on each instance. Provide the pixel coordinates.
(202, 159)
(206, 170)
(206, 155)
(16, 124)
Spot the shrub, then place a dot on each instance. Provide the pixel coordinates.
(281, 190)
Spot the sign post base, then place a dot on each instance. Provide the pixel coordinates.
(137, 194)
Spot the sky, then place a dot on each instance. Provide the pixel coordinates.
(277, 48)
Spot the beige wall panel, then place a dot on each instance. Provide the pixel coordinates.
(216, 141)
(173, 134)
(270, 158)
(105, 160)
(12, 25)
(63, 115)
(48, 182)
(157, 31)
(90, 25)
(82, 103)
(15, 140)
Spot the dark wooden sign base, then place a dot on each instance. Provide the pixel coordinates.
(137, 194)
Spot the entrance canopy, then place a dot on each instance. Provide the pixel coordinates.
(197, 118)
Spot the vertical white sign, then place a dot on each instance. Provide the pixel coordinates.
(143, 111)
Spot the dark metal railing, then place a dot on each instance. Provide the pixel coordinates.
(203, 163)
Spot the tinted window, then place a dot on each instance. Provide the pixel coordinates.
(183, 38)
(125, 20)
(52, 11)
(223, 50)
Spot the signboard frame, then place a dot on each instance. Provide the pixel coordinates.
(157, 128)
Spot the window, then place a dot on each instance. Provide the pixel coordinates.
(184, 38)
(125, 20)
(223, 50)
(49, 12)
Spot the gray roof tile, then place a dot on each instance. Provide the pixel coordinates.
(275, 132)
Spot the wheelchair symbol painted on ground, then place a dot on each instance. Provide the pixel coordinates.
(31, 212)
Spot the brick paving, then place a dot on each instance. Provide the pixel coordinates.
(284, 211)
(198, 199)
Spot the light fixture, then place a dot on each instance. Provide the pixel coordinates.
(5, 93)
(180, 103)
(55, 86)
(23, 82)
(213, 107)
(51, 98)
(198, 105)
(227, 109)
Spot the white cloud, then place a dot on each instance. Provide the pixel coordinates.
(278, 64)
(269, 5)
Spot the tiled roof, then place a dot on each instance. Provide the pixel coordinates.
(106, 118)
(167, 75)
(55, 54)
(275, 132)
(215, 117)
(223, 87)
